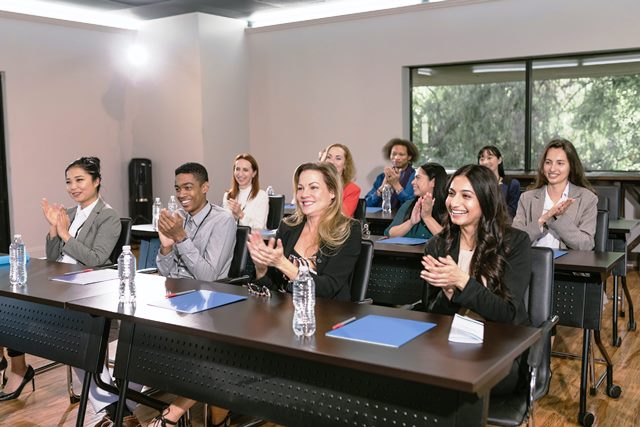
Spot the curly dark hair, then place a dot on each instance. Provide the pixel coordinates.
(490, 255)
(412, 150)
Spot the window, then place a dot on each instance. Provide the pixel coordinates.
(592, 100)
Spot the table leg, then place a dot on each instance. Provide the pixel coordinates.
(612, 389)
(122, 396)
(585, 418)
(615, 339)
(84, 398)
(632, 320)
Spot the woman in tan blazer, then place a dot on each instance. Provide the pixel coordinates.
(560, 209)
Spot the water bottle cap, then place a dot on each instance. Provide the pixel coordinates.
(126, 248)
(17, 236)
(157, 199)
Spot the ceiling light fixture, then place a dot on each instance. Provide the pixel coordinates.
(606, 60)
(324, 10)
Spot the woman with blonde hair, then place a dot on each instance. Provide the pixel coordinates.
(340, 156)
(318, 234)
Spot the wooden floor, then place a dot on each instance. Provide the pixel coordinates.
(49, 406)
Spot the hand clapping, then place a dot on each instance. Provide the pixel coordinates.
(235, 207)
(170, 228)
(443, 273)
(265, 255)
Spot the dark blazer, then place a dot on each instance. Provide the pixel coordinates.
(576, 228)
(95, 241)
(511, 194)
(475, 295)
(334, 270)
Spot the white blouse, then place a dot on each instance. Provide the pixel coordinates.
(255, 210)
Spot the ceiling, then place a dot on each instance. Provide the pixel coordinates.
(253, 11)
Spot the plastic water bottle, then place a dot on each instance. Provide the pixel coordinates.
(17, 261)
(157, 207)
(127, 275)
(270, 191)
(172, 206)
(386, 199)
(304, 302)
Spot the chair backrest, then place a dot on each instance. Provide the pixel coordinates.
(124, 239)
(276, 211)
(240, 252)
(539, 303)
(602, 231)
(611, 193)
(360, 279)
(361, 210)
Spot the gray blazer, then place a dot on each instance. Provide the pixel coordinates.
(575, 228)
(95, 241)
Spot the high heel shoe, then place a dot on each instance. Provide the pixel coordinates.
(3, 368)
(28, 376)
(161, 421)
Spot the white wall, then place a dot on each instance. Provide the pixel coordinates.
(225, 103)
(64, 98)
(166, 114)
(311, 85)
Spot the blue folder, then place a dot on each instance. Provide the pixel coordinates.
(404, 240)
(372, 209)
(381, 330)
(557, 253)
(196, 301)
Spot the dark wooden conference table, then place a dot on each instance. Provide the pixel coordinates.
(34, 319)
(245, 357)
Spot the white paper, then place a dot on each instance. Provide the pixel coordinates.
(466, 330)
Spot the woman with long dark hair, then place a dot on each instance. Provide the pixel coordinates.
(422, 216)
(478, 263)
(561, 208)
(490, 157)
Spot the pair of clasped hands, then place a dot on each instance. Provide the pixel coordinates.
(556, 210)
(58, 219)
(391, 177)
(423, 209)
(170, 228)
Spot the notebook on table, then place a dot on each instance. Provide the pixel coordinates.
(381, 330)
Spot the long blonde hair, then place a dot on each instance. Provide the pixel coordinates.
(335, 227)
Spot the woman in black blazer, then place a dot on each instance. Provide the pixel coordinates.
(317, 234)
(478, 264)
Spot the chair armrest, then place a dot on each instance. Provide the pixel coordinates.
(536, 350)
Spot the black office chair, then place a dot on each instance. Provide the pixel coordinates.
(515, 409)
(361, 210)
(237, 271)
(612, 194)
(602, 231)
(124, 239)
(361, 273)
(276, 211)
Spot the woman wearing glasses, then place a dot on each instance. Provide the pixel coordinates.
(319, 235)
(248, 204)
(477, 263)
